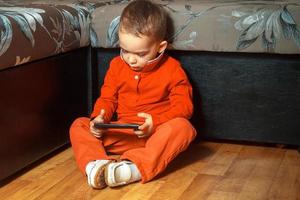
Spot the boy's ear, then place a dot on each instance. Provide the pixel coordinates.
(162, 46)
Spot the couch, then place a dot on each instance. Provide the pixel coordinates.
(43, 79)
(242, 58)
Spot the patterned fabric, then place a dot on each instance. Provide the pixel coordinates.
(216, 25)
(30, 30)
(34, 29)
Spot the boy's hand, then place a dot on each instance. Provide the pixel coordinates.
(146, 128)
(99, 119)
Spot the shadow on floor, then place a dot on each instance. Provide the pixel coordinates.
(195, 152)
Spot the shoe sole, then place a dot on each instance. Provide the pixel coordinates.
(100, 177)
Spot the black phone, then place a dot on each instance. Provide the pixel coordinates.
(117, 126)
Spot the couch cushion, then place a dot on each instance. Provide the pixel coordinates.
(30, 30)
(217, 25)
(35, 29)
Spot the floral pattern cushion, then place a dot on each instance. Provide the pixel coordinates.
(30, 30)
(34, 29)
(216, 25)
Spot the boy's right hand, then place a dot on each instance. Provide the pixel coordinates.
(99, 119)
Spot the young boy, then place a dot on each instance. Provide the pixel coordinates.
(145, 86)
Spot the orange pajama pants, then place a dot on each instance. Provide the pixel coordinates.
(151, 155)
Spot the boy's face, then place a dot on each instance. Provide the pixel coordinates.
(137, 51)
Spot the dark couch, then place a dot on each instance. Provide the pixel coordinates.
(44, 53)
(238, 96)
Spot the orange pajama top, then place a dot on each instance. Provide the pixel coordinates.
(162, 90)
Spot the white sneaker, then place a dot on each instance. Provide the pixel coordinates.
(95, 173)
(121, 173)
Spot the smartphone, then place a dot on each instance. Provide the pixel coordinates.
(116, 126)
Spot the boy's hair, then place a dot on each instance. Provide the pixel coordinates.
(142, 17)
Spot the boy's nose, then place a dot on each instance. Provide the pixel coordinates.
(131, 60)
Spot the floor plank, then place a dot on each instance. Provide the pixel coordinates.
(235, 177)
(286, 184)
(43, 183)
(258, 183)
(175, 184)
(200, 188)
(206, 171)
(143, 191)
(221, 160)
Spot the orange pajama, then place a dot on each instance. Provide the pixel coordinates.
(161, 90)
(151, 155)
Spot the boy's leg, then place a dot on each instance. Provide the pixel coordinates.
(88, 148)
(90, 152)
(85, 146)
(162, 147)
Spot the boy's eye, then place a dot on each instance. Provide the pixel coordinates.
(141, 54)
(124, 51)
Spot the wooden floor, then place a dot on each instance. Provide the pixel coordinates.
(214, 171)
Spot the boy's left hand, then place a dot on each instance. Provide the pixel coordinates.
(146, 128)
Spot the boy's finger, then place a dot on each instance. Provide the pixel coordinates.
(143, 126)
(100, 117)
(96, 133)
(139, 133)
(102, 112)
(144, 115)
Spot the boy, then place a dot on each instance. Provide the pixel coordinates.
(145, 86)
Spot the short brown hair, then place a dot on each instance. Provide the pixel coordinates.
(142, 17)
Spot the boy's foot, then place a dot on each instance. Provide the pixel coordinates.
(121, 173)
(95, 173)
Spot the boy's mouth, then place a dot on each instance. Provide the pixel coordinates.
(136, 68)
